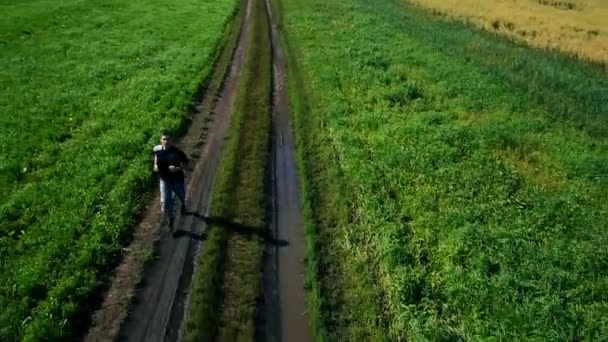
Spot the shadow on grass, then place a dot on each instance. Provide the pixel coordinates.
(240, 228)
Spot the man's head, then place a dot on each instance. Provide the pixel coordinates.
(165, 139)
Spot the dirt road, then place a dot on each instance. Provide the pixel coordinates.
(160, 291)
(159, 308)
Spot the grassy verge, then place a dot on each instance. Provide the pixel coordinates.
(227, 282)
(460, 175)
(82, 110)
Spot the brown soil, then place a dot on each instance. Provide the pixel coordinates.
(148, 305)
(284, 311)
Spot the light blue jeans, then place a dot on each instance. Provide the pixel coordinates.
(167, 189)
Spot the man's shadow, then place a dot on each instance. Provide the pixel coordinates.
(195, 236)
(235, 227)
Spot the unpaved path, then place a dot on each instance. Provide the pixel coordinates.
(285, 308)
(159, 302)
(157, 314)
(158, 306)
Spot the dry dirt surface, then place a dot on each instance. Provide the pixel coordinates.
(157, 313)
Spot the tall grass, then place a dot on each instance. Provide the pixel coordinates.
(461, 176)
(87, 87)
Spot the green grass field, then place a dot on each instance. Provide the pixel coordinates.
(87, 87)
(462, 176)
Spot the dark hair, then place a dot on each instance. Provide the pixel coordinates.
(165, 133)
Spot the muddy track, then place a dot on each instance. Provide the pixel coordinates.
(158, 306)
(284, 309)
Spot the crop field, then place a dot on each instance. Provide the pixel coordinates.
(577, 27)
(455, 181)
(86, 88)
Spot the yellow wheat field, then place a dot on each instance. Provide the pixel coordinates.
(573, 26)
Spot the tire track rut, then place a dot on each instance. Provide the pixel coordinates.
(285, 310)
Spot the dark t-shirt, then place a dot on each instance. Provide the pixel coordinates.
(171, 156)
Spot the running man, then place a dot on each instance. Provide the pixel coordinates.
(169, 162)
